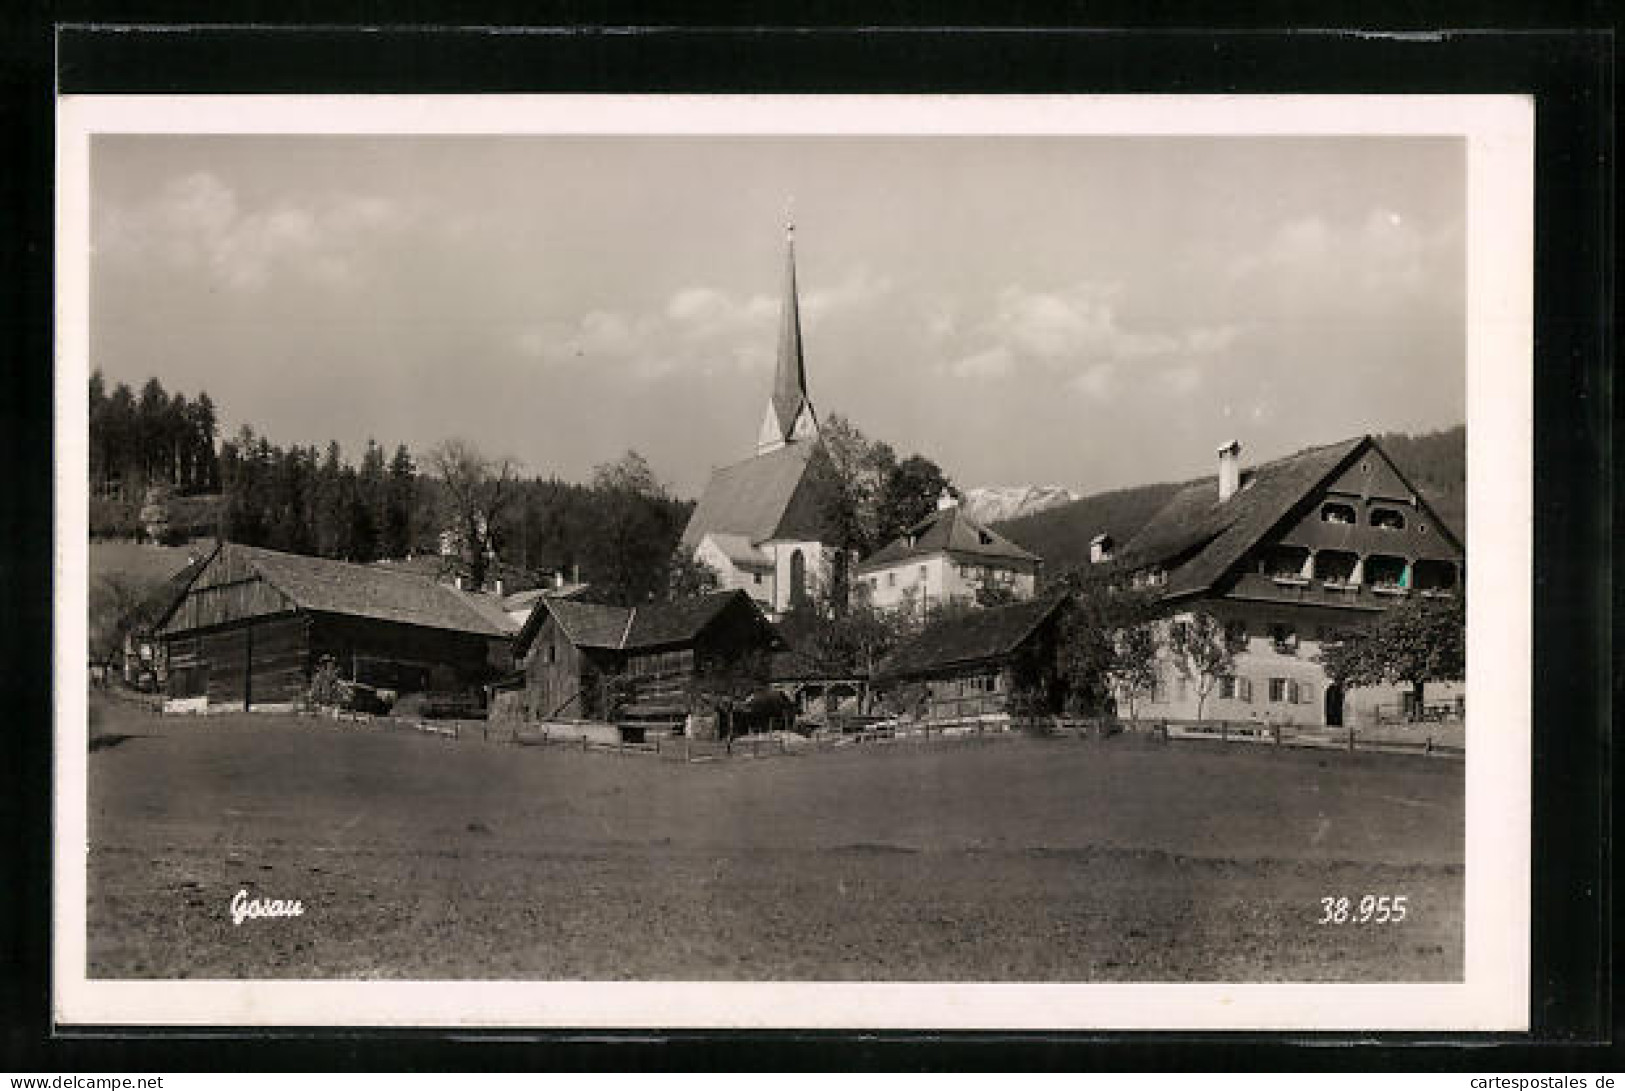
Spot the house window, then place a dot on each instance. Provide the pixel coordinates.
(1278, 690)
(1387, 519)
(1337, 513)
(922, 573)
(1387, 572)
(1283, 562)
(798, 578)
(1335, 566)
(1284, 638)
(1227, 687)
(1434, 575)
(552, 653)
(756, 578)
(1306, 693)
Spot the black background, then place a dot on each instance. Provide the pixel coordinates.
(1564, 57)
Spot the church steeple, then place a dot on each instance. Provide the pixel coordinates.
(789, 416)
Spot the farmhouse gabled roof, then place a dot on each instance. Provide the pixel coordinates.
(946, 531)
(625, 628)
(775, 495)
(361, 590)
(976, 638)
(1198, 539)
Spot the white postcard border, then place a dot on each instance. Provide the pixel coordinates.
(1499, 134)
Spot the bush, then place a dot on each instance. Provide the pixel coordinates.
(327, 688)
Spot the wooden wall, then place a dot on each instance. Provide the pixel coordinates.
(405, 658)
(555, 672)
(227, 590)
(261, 661)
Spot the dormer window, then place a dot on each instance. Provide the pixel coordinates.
(1387, 519)
(984, 537)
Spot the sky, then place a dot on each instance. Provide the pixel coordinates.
(1094, 312)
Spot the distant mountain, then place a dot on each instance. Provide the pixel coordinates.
(998, 504)
(1061, 534)
(1435, 462)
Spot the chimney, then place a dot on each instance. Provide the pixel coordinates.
(575, 572)
(558, 577)
(1100, 548)
(946, 499)
(499, 587)
(1229, 469)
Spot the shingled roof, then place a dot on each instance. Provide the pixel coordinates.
(1198, 539)
(972, 639)
(625, 628)
(950, 531)
(769, 496)
(363, 590)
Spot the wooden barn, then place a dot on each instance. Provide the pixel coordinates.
(254, 623)
(570, 652)
(989, 662)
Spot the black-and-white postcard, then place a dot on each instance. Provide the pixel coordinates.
(953, 562)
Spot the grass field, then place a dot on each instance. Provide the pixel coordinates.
(1016, 859)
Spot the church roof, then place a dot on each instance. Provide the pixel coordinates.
(946, 531)
(769, 496)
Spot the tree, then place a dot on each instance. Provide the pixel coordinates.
(1421, 640)
(400, 501)
(477, 492)
(687, 577)
(908, 493)
(1108, 642)
(119, 602)
(1201, 653)
(631, 533)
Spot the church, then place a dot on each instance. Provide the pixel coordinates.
(760, 523)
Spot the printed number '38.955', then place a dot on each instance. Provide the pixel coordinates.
(1370, 909)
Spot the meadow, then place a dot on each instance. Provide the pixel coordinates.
(1012, 859)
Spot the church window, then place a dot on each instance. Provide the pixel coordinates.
(798, 579)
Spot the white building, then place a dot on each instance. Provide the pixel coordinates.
(946, 557)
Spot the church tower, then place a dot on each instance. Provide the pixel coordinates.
(789, 417)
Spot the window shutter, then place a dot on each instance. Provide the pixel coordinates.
(1291, 692)
(1306, 692)
(1246, 685)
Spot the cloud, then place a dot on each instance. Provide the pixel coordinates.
(1374, 260)
(197, 223)
(1075, 333)
(699, 329)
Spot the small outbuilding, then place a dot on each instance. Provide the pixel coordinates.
(996, 661)
(586, 660)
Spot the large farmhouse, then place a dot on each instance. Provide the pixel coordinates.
(254, 623)
(760, 523)
(572, 652)
(1286, 555)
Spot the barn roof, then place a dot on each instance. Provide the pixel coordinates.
(1197, 538)
(364, 590)
(623, 628)
(764, 497)
(971, 639)
(948, 530)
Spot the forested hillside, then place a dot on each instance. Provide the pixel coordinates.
(1435, 462)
